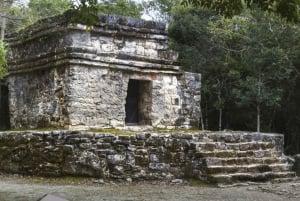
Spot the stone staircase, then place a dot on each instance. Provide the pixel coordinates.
(232, 157)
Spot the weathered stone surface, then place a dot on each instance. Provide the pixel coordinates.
(158, 156)
(64, 74)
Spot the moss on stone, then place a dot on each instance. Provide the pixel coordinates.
(38, 129)
(113, 131)
(170, 131)
(200, 183)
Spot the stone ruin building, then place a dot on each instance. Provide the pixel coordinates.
(117, 72)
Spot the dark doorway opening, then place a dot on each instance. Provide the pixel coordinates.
(4, 111)
(138, 102)
(131, 106)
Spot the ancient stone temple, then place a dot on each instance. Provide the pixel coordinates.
(118, 72)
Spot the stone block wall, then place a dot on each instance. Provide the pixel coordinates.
(70, 75)
(37, 99)
(190, 86)
(213, 157)
(98, 96)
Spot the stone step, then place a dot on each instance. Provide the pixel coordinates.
(242, 146)
(237, 153)
(233, 137)
(253, 177)
(253, 168)
(209, 161)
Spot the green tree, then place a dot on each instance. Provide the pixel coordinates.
(6, 16)
(44, 8)
(263, 63)
(19, 18)
(267, 65)
(288, 9)
(246, 62)
(16, 15)
(86, 11)
(286, 118)
(191, 37)
(160, 10)
(260, 88)
(120, 7)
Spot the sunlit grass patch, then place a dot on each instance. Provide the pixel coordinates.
(112, 131)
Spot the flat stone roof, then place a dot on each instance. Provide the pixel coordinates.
(107, 21)
(130, 44)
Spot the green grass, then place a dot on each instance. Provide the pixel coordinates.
(37, 129)
(112, 131)
(184, 131)
(199, 183)
(28, 129)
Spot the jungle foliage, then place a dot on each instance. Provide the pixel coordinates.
(15, 15)
(249, 65)
(121, 7)
(288, 9)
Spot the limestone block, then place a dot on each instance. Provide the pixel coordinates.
(105, 39)
(167, 80)
(130, 44)
(108, 48)
(96, 43)
(141, 152)
(81, 39)
(161, 46)
(116, 159)
(140, 50)
(154, 158)
(150, 45)
(150, 53)
(259, 154)
(141, 160)
(159, 166)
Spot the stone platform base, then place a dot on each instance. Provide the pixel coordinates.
(221, 157)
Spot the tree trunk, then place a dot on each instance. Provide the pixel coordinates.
(5, 13)
(258, 102)
(271, 120)
(201, 118)
(3, 27)
(220, 105)
(258, 118)
(206, 117)
(220, 119)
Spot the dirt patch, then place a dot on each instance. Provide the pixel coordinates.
(21, 188)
